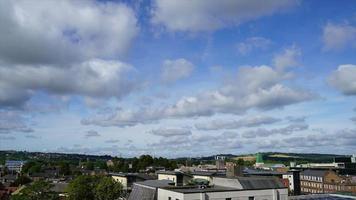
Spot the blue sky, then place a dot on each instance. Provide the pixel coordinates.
(178, 78)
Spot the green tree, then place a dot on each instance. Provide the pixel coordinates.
(39, 190)
(107, 189)
(64, 168)
(82, 188)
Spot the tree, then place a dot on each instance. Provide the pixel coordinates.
(107, 189)
(39, 190)
(64, 168)
(82, 188)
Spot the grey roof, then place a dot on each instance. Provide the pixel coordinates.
(155, 183)
(138, 175)
(206, 173)
(173, 173)
(253, 183)
(322, 197)
(262, 172)
(311, 172)
(142, 193)
(194, 189)
(249, 183)
(59, 187)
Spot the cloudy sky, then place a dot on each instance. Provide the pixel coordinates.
(178, 77)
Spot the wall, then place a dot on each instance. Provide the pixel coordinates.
(122, 180)
(168, 177)
(234, 195)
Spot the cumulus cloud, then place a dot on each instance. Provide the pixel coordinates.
(294, 119)
(344, 79)
(173, 70)
(92, 133)
(288, 58)
(12, 122)
(94, 78)
(353, 119)
(253, 43)
(339, 36)
(168, 132)
(209, 15)
(254, 87)
(41, 33)
(235, 124)
(268, 132)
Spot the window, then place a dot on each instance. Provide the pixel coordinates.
(251, 198)
(228, 199)
(169, 198)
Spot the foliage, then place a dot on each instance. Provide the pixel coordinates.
(39, 190)
(94, 188)
(107, 189)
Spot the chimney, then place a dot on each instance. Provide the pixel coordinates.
(233, 170)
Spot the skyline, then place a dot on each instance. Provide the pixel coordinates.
(175, 78)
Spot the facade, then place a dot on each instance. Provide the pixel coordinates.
(14, 165)
(179, 178)
(319, 181)
(293, 177)
(242, 188)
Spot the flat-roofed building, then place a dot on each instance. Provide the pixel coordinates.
(178, 177)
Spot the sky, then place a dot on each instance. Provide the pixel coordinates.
(178, 78)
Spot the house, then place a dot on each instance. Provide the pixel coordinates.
(14, 165)
(127, 179)
(178, 177)
(242, 188)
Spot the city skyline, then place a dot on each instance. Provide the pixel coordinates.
(175, 78)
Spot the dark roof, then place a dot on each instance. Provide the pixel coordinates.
(254, 183)
(9, 177)
(206, 173)
(155, 183)
(173, 173)
(310, 172)
(262, 172)
(322, 197)
(138, 175)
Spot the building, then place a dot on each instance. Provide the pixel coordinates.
(128, 179)
(232, 169)
(208, 176)
(179, 178)
(14, 165)
(293, 177)
(242, 188)
(326, 181)
(220, 162)
(259, 160)
(147, 190)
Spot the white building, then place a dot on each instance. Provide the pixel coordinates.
(239, 188)
(179, 178)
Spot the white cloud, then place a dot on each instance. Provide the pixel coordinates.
(235, 124)
(257, 87)
(253, 43)
(173, 70)
(168, 132)
(208, 15)
(64, 31)
(344, 79)
(94, 78)
(283, 131)
(339, 36)
(12, 122)
(288, 58)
